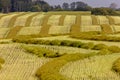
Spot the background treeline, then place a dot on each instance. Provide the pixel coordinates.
(41, 5)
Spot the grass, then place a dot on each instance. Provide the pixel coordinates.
(29, 19)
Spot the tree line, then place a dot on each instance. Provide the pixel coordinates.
(7, 6)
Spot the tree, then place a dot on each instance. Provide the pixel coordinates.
(81, 6)
(103, 11)
(42, 4)
(72, 6)
(5, 6)
(0, 6)
(65, 6)
(113, 6)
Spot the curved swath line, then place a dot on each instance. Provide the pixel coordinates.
(75, 28)
(45, 27)
(12, 21)
(29, 19)
(61, 20)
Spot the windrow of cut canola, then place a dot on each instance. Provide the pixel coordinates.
(32, 23)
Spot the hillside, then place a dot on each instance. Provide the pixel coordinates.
(53, 23)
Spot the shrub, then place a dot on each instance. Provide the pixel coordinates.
(114, 49)
(100, 46)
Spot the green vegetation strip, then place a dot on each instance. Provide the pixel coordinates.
(13, 19)
(29, 19)
(78, 44)
(41, 52)
(70, 13)
(50, 70)
(97, 37)
(75, 28)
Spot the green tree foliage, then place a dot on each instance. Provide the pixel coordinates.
(103, 11)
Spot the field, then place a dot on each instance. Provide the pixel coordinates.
(56, 23)
(59, 46)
